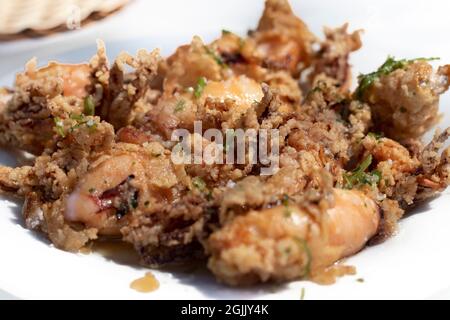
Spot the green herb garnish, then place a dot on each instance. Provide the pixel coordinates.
(285, 203)
(302, 294)
(89, 106)
(285, 200)
(376, 136)
(179, 106)
(133, 201)
(304, 245)
(390, 65)
(224, 31)
(91, 190)
(81, 119)
(198, 183)
(91, 124)
(76, 117)
(59, 127)
(199, 87)
(359, 177)
(216, 57)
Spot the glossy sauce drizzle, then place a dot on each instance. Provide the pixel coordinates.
(330, 274)
(148, 283)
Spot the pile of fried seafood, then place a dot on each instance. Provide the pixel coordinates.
(351, 162)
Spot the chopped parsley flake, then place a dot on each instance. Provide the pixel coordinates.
(198, 183)
(179, 106)
(285, 200)
(390, 65)
(304, 246)
(199, 87)
(216, 57)
(76, 117)
(224, 31)
(302, 294)
(82, 120)
(133, 201)
(359, 177)
(59, 127)
(285, 203)
(375, 177)
(89, 106)
(91, 190)
(375, 135)
(90, 123)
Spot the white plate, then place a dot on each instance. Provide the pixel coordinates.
(413, 264)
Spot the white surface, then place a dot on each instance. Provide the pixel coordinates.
(414, 264)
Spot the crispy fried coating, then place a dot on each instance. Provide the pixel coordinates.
(290, 241)
(332, 58)
(42, 94)
(127, 89)
(349, 164)
(405, 103)
(282, 39)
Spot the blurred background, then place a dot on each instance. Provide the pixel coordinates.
(404, 28)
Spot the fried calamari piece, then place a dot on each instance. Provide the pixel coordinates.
(406, 177)
(236, 54)
(190, 63)
(219, 104)
(332, 57)
(168, 234)
(91, 186)
(281, 40)
(45, 185)
(127, 89)
(400, 179)
(404, 96)
(292, 240)
(39, 95)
